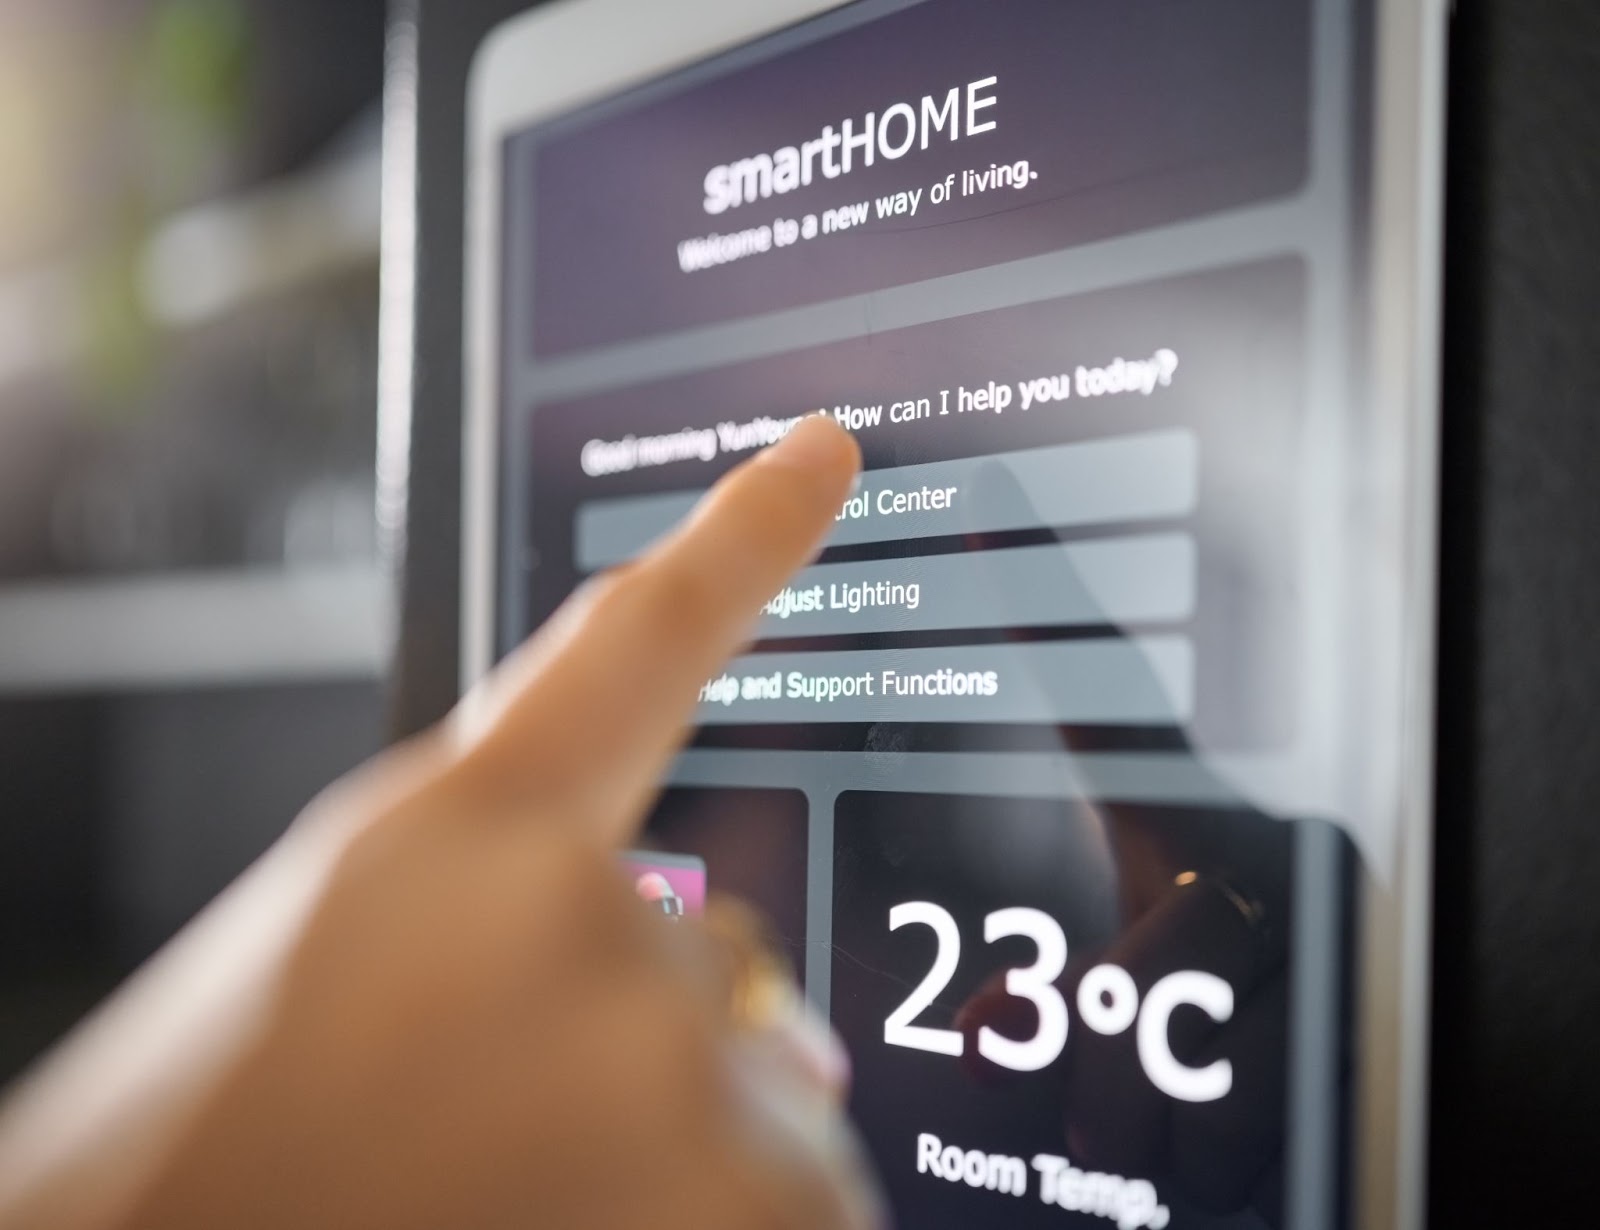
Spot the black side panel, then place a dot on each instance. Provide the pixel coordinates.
(1517, 1064)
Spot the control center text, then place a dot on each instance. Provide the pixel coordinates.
(892, 503)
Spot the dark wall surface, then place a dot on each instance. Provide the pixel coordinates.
(1517, 1071)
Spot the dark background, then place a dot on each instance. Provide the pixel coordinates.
(1516, 1081)
(1516, 1071)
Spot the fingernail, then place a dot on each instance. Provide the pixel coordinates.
(816, 442)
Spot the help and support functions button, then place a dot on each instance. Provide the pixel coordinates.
(1113, 682)
(1127, 478)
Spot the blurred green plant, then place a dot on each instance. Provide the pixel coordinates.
(195, 77)
(190, 77)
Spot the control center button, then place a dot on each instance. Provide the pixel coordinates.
(1125, 478)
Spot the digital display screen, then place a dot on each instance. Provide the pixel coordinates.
(1044, 771)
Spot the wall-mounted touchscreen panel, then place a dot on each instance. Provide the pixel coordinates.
(1045, 767)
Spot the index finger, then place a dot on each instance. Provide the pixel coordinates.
(585, 717)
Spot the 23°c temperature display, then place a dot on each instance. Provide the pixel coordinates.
(1108, 1002)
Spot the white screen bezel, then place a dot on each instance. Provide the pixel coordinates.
(563, 55)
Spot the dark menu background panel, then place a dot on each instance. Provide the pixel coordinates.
(1130, 114)
(1236, 338)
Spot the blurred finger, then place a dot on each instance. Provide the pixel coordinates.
(587, 715)
(765, 1002)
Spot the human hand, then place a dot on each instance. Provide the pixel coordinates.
(437, 1002)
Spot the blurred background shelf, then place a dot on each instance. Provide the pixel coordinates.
(200, 265)
(194, 622)
(195, 630)
(218, 410)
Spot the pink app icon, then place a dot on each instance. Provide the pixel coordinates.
(674, 883)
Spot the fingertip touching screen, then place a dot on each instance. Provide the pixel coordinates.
(1053, 769)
